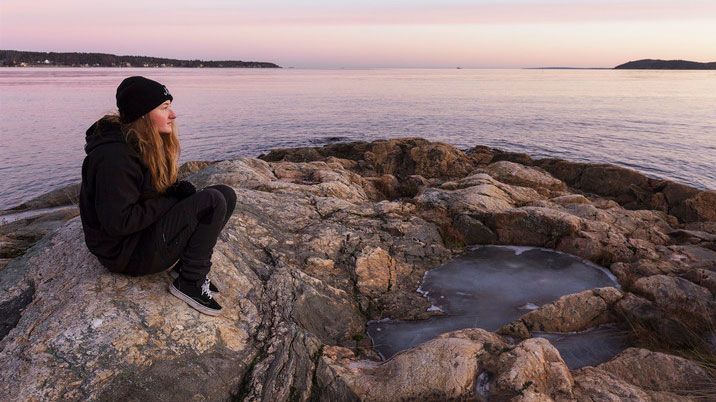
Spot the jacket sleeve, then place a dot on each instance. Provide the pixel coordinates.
(117, 199)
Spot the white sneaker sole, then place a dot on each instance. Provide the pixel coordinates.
(188, 300)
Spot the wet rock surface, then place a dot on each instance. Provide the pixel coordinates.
(324, 240)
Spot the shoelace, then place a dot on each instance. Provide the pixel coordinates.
(205, 288)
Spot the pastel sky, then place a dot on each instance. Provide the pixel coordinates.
(370, 33)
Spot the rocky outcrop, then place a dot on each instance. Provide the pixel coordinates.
(484, 367)
(25, 224)
(88, 332)
(467, 364)
(375, 271)
(570, 313)
(660, 372)
(678, 311)
(643, 375)
(666, 291)
(67, 195)
(532, 370)
(520, 175)
(399, 157)
(629, 188)
(323, 240)
(444, 368)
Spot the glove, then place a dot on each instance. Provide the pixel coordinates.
(181, 189)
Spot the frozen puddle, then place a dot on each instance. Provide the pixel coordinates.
(588, 348)
(493, 285)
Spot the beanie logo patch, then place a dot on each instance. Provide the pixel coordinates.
(166, 92)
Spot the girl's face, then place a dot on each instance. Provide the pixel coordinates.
(162, 117)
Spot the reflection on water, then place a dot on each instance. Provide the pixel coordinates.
(659, 122)
(493, 285)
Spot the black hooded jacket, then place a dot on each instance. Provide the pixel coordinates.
(117, 199)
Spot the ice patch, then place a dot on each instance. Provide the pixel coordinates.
(529, 306)
(420, 288)
(425, 293)
(435, 308)
(487, 288)
(587, 348)
(519, 250)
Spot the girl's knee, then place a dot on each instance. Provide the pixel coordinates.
(216, 198)
(210, 203)
(228, 193)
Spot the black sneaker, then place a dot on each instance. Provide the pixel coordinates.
(174, 273)
(197, 296)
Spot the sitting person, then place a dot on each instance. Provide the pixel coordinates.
(137, 218)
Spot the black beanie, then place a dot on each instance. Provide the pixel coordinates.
(137, 96)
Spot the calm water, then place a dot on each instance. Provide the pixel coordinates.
(662, 123)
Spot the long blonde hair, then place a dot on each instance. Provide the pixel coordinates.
(160, 152)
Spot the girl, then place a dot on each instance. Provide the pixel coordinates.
(137, 218)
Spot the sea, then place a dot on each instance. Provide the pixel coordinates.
(661, 123)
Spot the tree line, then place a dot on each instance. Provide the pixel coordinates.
(17, 58)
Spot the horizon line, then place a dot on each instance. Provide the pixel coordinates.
(296, 67)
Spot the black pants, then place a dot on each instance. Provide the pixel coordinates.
(188, 232)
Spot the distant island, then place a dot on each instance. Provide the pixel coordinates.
(566, 68)
(651, 64)
(17, 58)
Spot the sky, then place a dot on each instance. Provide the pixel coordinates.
(370, 33)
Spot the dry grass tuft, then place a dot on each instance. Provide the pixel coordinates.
(695, 344)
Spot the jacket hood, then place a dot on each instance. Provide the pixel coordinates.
(102, 132)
